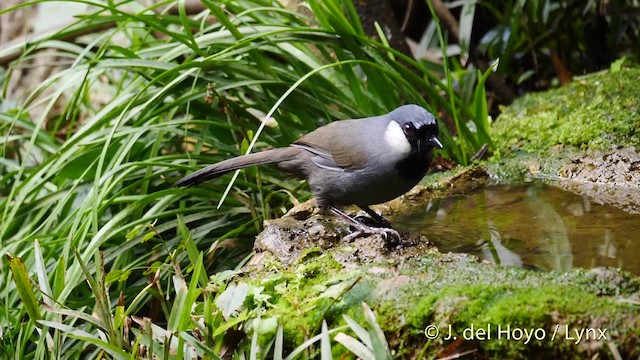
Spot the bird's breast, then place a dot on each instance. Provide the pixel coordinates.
(413, 167)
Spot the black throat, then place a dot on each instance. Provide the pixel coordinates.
(414, 167)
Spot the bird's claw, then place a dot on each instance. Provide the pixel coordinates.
(386, 233)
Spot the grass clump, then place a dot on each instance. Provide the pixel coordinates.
(105, 256)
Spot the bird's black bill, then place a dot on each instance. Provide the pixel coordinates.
(435, 142)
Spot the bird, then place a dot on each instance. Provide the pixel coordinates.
(358, 162)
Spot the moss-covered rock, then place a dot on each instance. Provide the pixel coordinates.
(596, 112)
(584, 138)
(496, 311)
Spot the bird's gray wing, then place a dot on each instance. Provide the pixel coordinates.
(322, 159)
(335, 146)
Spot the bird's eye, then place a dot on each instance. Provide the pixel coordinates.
(408, 129)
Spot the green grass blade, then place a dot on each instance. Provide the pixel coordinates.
(24, 287)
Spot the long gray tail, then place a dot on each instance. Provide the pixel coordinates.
(225, 166)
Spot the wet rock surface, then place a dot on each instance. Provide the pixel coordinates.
(306, 267)
(619, 167)
(289, 237)
(611, 177)
(582, 137)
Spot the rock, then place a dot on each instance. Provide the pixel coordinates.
(609, 177)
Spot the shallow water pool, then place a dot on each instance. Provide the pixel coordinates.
(531, 225)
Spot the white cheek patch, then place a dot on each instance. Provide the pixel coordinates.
(395, 138)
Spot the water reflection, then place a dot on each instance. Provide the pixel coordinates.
(533, 225)
(493, 249)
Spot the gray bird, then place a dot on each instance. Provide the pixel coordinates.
(351, 162)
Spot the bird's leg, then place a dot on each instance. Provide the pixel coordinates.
(379, 219)
(362, 228)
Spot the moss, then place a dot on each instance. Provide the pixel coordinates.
(316, 271)
(596, 111)
(307, 292)
(534, 309)
(467, 295)
(452, 290)
(309, 254)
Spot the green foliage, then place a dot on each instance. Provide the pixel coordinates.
(90, 156)
(476, 115)
(584, 36)
(371, 342)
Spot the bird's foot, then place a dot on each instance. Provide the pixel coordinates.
(374, 218)
(389, 235)
(369, 221)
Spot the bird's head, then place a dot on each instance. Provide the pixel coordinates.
(412, 129)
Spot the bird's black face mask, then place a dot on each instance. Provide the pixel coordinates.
(424, 138)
